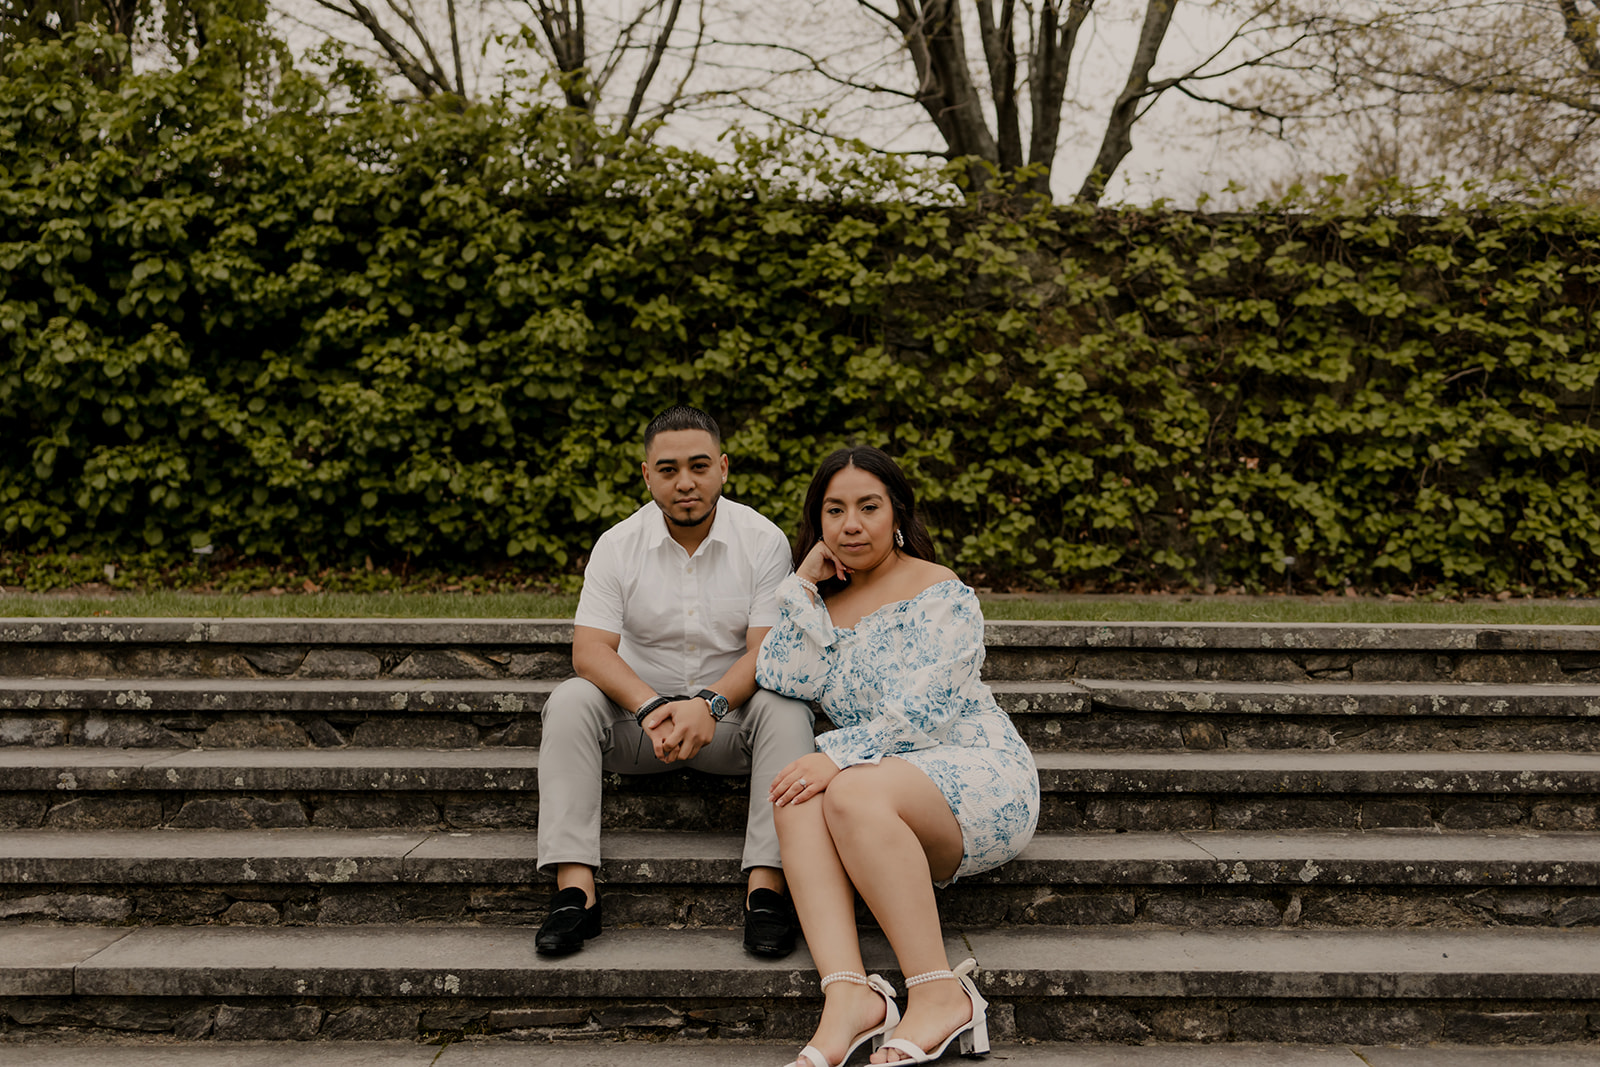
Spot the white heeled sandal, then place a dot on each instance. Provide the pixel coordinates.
(812, 1056)
(972, 1039)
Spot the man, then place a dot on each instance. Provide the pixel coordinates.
(676, 600)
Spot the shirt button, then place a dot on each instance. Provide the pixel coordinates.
(691, 611)
(693, 648)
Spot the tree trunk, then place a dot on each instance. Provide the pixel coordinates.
(1000, 52)
(1118, 140)
(1054, 46)
(565, 36)
(945, 90)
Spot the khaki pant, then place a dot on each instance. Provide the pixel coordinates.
(586, 734)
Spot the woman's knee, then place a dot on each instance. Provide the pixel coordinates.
(851, 799)
(799, 820)
(888, 790)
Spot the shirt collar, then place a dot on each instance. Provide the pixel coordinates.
(659, 534)
(720, 524)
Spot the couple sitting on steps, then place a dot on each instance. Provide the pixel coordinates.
(694, 644)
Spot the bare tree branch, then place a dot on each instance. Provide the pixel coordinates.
(891, 19)
(814, 65)
(564, 33)
(642, 83)
(1459, 88)
(622, 44)
(1259, 111)
(409, 66)
(408, 15)
(817, 131)
(455, 48)
(1581, 32)
(677, 99)
(677, 93)
(1118, 139)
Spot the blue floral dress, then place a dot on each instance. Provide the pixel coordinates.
(905, 682)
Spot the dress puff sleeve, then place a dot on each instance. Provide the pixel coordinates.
(929, 669)
(797, 655)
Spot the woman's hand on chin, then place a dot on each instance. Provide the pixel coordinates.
(821, 564)
(803, 779)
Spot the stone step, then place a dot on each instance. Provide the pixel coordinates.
(515, 648)
(332, 877)
(64, 770)
(421, 729)
(519, 696)
(496, 788)
(271, 712)
(1341, 699)
(693, 1052)
(1476, 986)
(1381, 857)
(1320, 772)
(1159, 636)
(1087, 713)
(1112, 714)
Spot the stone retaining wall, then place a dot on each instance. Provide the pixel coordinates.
(1108, 1019)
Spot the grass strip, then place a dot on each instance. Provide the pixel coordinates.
(465, 605)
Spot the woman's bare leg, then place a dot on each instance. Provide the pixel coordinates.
(894, 833)
(826, 903)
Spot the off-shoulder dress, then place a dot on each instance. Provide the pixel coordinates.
(905, 682)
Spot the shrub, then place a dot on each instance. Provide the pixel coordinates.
(436, 331)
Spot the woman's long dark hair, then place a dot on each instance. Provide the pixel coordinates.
(902, 500)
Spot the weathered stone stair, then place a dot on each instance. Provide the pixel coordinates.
(1325, 879)
(226, 829)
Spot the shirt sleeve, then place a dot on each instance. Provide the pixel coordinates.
(600, 603)
(926, 682)
(797, 655)
(772, 566)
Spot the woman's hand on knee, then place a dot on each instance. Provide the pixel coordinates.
(803, 779)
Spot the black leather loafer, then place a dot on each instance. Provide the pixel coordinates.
(770, 925)
(569, 925)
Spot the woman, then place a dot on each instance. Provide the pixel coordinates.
(924, 780)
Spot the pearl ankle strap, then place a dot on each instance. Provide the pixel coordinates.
(853, 977)
(931, 976)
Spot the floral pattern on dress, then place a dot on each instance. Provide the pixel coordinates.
(906, 682)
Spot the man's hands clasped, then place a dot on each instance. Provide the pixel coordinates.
(679, 730)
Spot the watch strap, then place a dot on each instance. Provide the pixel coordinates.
(719, 703)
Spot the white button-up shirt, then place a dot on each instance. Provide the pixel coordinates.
(683, 618)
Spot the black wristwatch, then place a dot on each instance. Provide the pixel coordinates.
(718, 702)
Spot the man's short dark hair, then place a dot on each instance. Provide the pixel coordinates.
(682, 417)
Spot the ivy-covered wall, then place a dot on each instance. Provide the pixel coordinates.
(333, 334)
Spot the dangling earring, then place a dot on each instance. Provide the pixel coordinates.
(899, 539)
